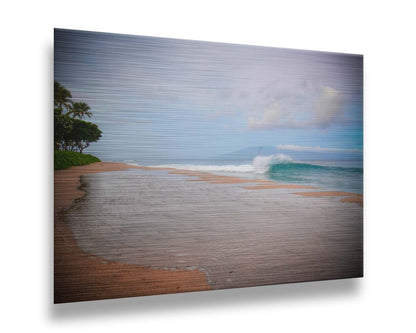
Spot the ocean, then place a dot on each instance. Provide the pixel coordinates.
(333, 175)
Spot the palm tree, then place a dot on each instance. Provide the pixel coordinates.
(62, 97)
(80, 110)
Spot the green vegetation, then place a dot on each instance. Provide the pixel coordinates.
(65, 159)
(72, 135)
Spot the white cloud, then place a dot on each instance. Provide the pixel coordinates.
(328, 107)
(273, 116)
(318, 108)
(317, 149)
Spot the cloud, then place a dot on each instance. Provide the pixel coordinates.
(318, 149)
(327, 108)
(318, 108)
(274, 116)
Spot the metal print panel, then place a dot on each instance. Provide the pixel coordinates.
(186, 166)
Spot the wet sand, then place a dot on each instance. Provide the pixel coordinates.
(79, 276)
(271, 186)
(261, 184)
(348, 197)
(358, 199)
(216, 179)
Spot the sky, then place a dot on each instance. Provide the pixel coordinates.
(164, 99)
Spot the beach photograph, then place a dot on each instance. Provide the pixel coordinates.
(183, 165)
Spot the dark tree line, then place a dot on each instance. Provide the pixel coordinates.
(71, 133)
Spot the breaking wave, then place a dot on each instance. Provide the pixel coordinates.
(260, 164)
(283, 168)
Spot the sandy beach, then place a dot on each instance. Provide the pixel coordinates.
(79, 276)
(92, 272)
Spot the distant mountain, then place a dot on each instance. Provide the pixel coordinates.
(251, 152)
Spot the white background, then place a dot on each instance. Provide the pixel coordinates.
(383, 31)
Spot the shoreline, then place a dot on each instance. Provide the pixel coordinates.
(80, 276)
(262, 184)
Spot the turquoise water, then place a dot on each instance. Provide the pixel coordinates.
(341, 178)
(327, 175)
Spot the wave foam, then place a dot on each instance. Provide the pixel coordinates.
(260, 164)
(219, 168)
